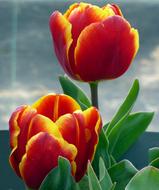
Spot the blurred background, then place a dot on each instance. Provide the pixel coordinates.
(29, 68)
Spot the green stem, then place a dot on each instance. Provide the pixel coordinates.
(94, 93)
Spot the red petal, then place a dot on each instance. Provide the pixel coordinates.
(53, 105)
(41, 123)
(34, 166)
(24, 122)
(91, 123)
(80, 17)
(62, 39)
(19, 150)
(14, 127)
(85, 127)
(13, 160)
(114, 7)
(105, 50)
(68, 125)
(84, 15)
(71, 8)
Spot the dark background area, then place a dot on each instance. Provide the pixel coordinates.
(29, 68)
(138, 155)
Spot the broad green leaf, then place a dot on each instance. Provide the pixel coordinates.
(115, 133)
(93, 180)
(101, 151)
(104, 178)
(126, 106)
(74, 91)
(146, 179)
(121, 173)
(129, 132)
(153, 153)
(60, 177)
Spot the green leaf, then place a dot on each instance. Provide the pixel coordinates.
(60, 177)
(153, 153)
(125, 107)
(115, 134)
(129, 132)
(113, 161)
(71, 89)
(93, 180)
(101, 151)
(105, 126)
(83, 183)
(113, 187)
(146, 179)
(155, 163)
(104, 178)
(121, 173)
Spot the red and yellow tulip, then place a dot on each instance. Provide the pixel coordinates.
(53, 126)
(93, 43)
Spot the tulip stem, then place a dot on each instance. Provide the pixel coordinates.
(94, 93)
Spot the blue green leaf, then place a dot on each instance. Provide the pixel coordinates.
(71, 89)
(129, 131)
(93, 180)
(126, 107)
(153, 153)
(121, 173)
(146, 179)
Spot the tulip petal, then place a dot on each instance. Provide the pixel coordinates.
(13, 160)
(84, 15)
(113, 7)
(105, 50)
(19, 150)
(80, 17)
(14, 127)
(40, 123)
(24, 122)
(71, 8)
(68, 125)
(85, 127)
(92, 121)
(53, 105)
(62, 39)
(34, 166)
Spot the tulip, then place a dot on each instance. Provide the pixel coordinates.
(53, 126)
(93, 43)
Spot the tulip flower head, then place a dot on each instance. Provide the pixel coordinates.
(53, 126)
(93, 43)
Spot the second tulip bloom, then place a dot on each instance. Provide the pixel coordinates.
(53, 126)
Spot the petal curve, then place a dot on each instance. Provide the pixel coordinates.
(55, 105)
(62, 38)
(109, 45)
(14, 127)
